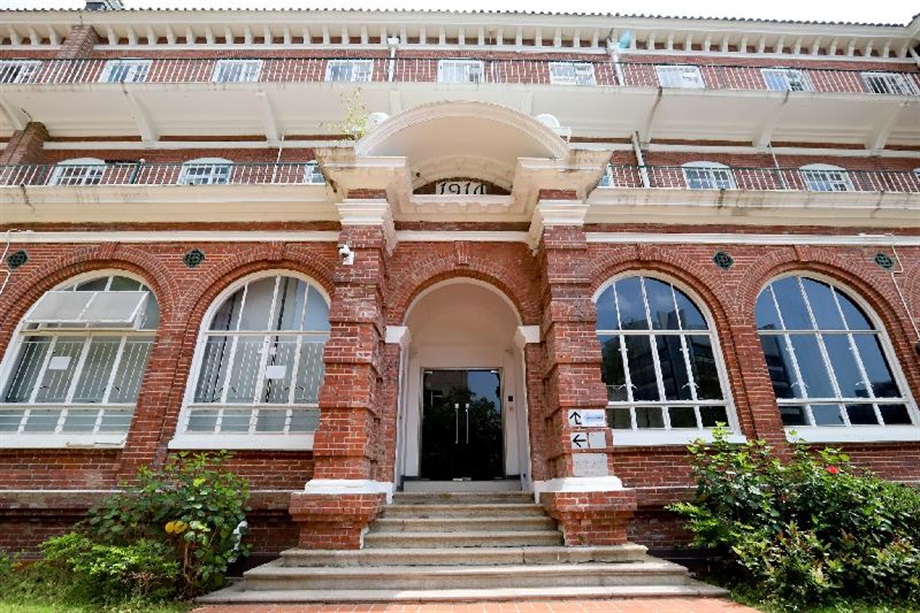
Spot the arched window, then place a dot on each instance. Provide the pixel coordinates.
(826, 178)
(708, 175)
(78, 171)
(73, 371)
(661, 363)
(206, 171)
(832, 372)
(258, 367)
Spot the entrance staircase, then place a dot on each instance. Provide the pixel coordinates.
(462, 547)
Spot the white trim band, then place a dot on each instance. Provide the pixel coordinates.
(334, 487)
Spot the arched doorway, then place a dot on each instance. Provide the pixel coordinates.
(463, 411)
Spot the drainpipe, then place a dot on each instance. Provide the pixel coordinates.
(640, 159)
(392, 44)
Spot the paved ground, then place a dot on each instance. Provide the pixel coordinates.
(623, 605)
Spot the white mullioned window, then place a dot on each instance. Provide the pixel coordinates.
(313, 173)
(73, 371)
(708, 175)
(206, 171)
(78, 171)
(831, 366)
(237, 71)
(661, 364)
(125, 71)
(892, 84)
(785, 80)
(826, 178)
(18, 71)
(460, 71)
(683, 77)
(350, 71)
(258, 367)
(571, 73)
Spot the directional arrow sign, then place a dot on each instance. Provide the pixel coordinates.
(587, 418)
(574, 417)
(579, 440)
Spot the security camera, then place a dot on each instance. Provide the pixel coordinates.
(346, 255)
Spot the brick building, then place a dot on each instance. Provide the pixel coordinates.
(566, 246)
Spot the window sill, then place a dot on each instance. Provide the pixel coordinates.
(50, 440)
(853, 434)
(646, 438)
(294, 442)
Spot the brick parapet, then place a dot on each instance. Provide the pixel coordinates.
(591, 518)
(333, 521)
(80, 43)
(25, 146)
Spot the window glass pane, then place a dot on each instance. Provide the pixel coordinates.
(690, 317)
(279, 370)
(116, 420)
(895, 414)
(304, 420)
(847, 372)
(257, 310)
(42, 420)
(612, 371)
(641, 368)
(713, 415)
(127, 382)
(606, 311)
(228, 314)
(202, 420)
(93, 285)
(235, 420)
(703, 363)
(97, 368)
(60, 370)
(271, 421)
(214, 366)
(779, 363)
(661, 305)
(827, 415)
(649, 417)
(793, 415)
(309, 373)
(862, 415)
(823, 306)
(80, 421)
(765, 312)
(873, 358)
(631, 304)
(791, 304)
(673, 368)
(619, 419)
(10, 419)
(814, 371)
(682, 417)
(151, 317)
(856, 320)
(291, 297)
(241, 385)
(27, 369)
(317, 317)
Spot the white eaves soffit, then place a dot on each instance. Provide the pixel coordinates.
(469, 140)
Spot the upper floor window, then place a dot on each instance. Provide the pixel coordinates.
(78, 171)
(313, 173)
(353, 71)
(258, 367)
(571, 73)
(830, 364)
(206, 171)
(826, 178)
(688, 77)
(18, 71)
(785, 80)
(460, 71)
(661, 363)
(237, 71)
(125, 71)
(708, 175)
(888, 83)
(73, 370)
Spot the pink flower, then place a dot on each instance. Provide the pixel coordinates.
(833, 470)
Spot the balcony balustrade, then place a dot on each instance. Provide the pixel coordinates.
(459, 71)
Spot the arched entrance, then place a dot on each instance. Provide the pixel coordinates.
(462, 418)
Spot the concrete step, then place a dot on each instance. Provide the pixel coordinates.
(463, 556)
(275, 576)
(461, 539)
(237, 594)
(462, 524)
(459, 498)
(465, 510)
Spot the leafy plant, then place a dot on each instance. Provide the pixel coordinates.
(811, 530)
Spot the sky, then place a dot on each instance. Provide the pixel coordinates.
(880, 11)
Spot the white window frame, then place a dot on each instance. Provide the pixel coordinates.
(237, 71)
(461, 71)
(888, 84)
(313, 174)
(350, 71)
(682, 76)
(68, 346)
(18, 71)
(572, 73)
(206, 171)
(667, 435)
(786, 80)
(713, 174)
(826, 178)
(78, 172)
(216, 439)
(845, 432)
(125, 71)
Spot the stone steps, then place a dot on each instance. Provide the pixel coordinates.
(534, 523)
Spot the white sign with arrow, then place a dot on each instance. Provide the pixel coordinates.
(587, 418)
(588, 440)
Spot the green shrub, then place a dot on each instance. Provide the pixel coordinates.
(809, 531)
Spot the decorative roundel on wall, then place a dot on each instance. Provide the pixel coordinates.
(723, 260)
(17, 259)
(193, 258)
(884, 260)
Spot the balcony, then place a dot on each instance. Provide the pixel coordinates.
(275, 95)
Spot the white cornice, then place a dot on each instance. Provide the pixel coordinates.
(881, 240)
